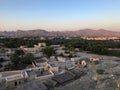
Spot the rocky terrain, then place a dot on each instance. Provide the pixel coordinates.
(41, 32)
(109, 80)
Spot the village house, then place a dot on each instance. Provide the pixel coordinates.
(11, 79)
(36, 50)
(53, 58)
(33, 50)
(64, 77)
(41, 63)
(55, 46)
(40, 74)
(77, 49)
(40, 45)
(38, 54)
(84, 61)
(30, 50)
(46, 65)
(67, 53)
(75, 59)
(94, 60)
(60, 52)
(42, 38)
(67, 65)
(61, 59)
(53, 66)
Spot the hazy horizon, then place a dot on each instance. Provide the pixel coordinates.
(58, 30)
(59, 15)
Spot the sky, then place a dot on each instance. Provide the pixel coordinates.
(59, 14)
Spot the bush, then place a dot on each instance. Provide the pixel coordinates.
(100, 71)
(48, 51)
(1, 66)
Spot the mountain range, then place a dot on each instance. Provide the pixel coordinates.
(41, 32)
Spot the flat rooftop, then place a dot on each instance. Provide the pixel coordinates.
(10, 73)
(38, 73)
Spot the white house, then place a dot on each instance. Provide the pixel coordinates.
(30, 50)
(61, 59)
(52, 58)
(94, 59)
(55, 46)
(40, 45)
(53, 66)
(11, 79)
(60, 51)
(33, 50)
(84, 61)
(74, 58)
(40, 63)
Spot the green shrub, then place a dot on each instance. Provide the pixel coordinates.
(100, 71)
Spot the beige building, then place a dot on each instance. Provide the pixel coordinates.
(11, 79)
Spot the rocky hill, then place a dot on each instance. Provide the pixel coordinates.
(22, 33)
(41, 32)
(85, 32)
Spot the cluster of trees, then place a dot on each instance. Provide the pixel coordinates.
(48, 51)
(81, 43)
(95, 46)
(114, 53)
(98, 46)
(99, 49)
(20, 60)
(17, 42)
(1, 60)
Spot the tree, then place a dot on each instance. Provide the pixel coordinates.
(99, 49)
(15, 59)
(1, 65)
(19, 52)
(100, 71)
(1, 59)
(20, 62)
(48, 51)
(27, 59)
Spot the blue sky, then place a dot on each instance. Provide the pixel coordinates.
(59, 14)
